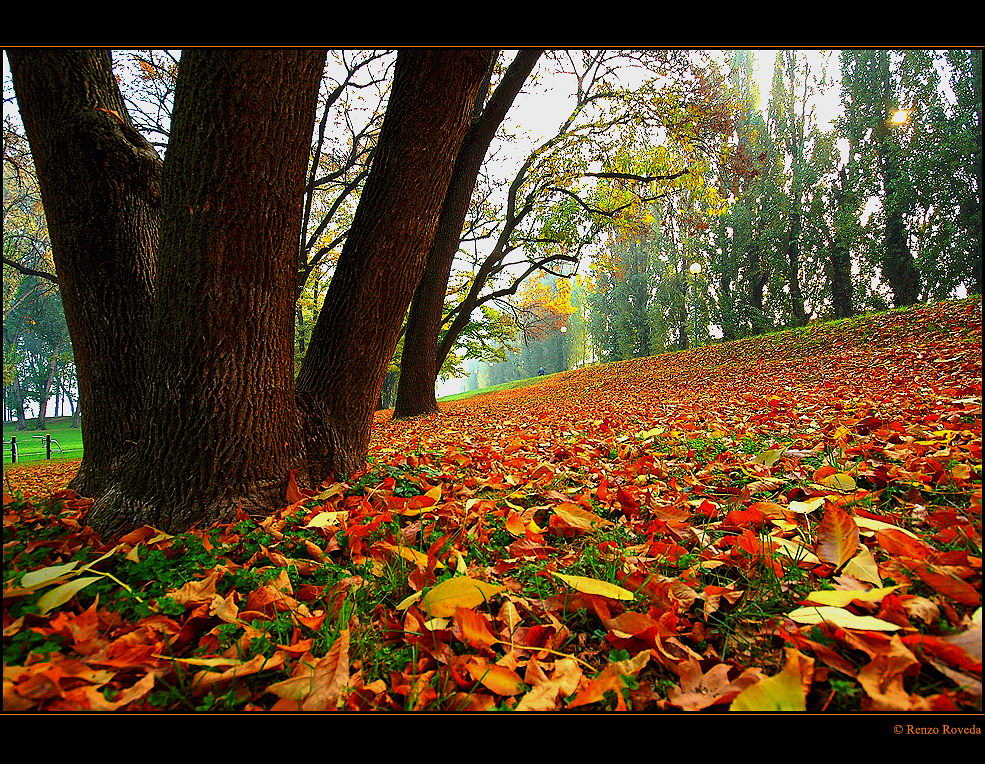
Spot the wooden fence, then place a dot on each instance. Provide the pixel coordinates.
(48, 442)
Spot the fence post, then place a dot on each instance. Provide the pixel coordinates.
(13, 449)
(47, 445)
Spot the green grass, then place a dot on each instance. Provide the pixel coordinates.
(31, 449)
(502, 386)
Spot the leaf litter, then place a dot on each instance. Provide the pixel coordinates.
(783, 523)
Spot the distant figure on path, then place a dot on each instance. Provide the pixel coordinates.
(540, 371)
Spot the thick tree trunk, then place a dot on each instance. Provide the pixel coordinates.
(99, 184)
(220, 426)
(419, 365)
(381, 263)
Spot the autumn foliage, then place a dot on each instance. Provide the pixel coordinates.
(789, 522)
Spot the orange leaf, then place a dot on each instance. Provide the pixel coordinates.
(474, 628)
(949, 586)
(837, 536)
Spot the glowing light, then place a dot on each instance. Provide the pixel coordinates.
(695, 269)
(900, 117)
(563, 329)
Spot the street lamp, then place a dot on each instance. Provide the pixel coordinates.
(695, 269)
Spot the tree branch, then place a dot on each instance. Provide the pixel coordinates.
(31, 271)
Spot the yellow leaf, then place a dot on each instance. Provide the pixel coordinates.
(499, 679)
(769, 458)
(871, 526)
(587, 585)
(840, 482)
(62, 594)
(840, 617)
(411, 555)
(782, 692)
(326, 519)
(805, 507)
(45, 576)
(794, 551)
(842, 597)
(863, 566)
(210, 662)
(460, 591)
(408, 601)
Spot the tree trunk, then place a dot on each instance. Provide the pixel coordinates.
(19, 403)
(419, 364)
(223, 424)
(757, 278)
(388, 395)
(840, 271)
(385, 252)
(99, 184)
(220, 423)
(41, 423)
(797, 308)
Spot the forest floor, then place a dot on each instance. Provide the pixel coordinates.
(789, 522)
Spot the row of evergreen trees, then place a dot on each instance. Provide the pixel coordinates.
(880, 208)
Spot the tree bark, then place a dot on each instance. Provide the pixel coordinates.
(419, 365)
(223, 420)
(220, 423)
(99, 184)
(384, 255)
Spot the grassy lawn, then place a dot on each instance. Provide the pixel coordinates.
(31, 448)
(496, 388)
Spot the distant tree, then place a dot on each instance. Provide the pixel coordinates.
(878, 85)
(552, 210)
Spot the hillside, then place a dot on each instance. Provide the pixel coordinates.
(788, 522)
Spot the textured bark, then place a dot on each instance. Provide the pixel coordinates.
(420, 362)
(99, 184)
(220, 426)
(433, 96)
